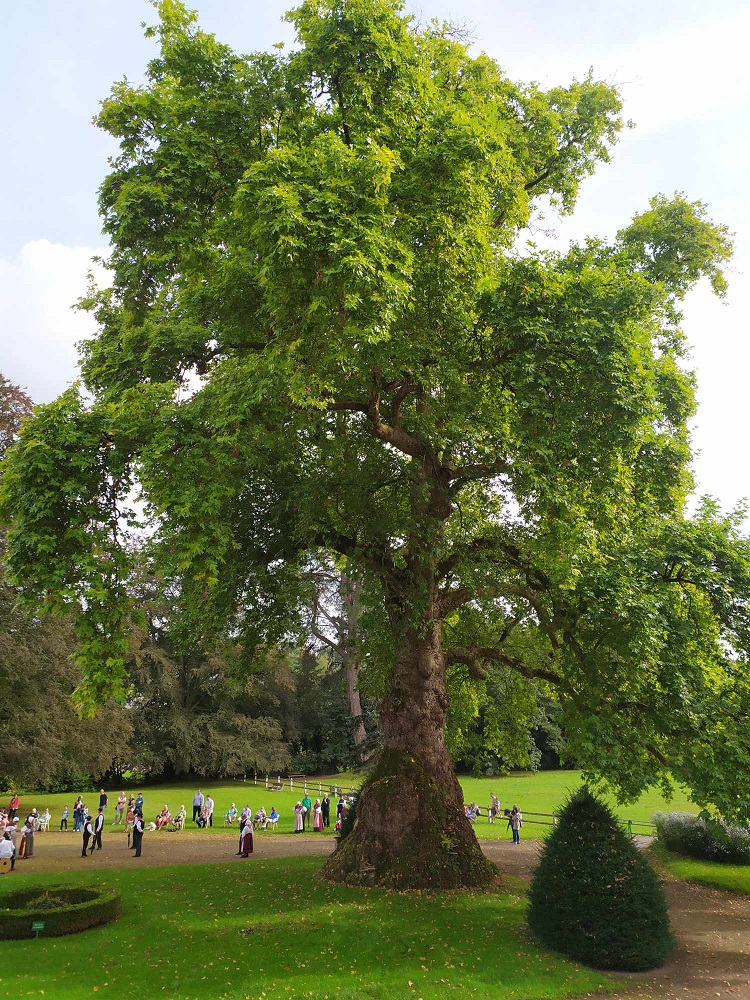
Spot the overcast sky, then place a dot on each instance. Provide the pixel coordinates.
(685, 77)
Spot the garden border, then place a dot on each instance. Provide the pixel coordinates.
(101, 907)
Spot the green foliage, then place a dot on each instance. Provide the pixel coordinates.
(65, 910)
(45, 743)
(15, 406)
(594, 896)
(320, 338)
(703, 838)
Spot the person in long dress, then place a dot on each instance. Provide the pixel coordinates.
(317, 817)
(299, 812)
(246, 840)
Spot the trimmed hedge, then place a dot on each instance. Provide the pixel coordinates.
(594, 896)
(704, 839)
(63, 909)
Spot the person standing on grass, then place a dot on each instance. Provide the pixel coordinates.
(209, 807)
(138, 834)
(15, 803)
(494, 807)
(197, 804)
(98, 827)
(325, 808)
(119, 809)
(88, 833)
(307, 814)
(64, 819)
(138, 804)
(299, 811)
(103, 799)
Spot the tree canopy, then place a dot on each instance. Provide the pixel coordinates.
(322, 335)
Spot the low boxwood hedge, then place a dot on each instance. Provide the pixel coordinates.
(64, 910)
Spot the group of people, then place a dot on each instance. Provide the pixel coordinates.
(16, 836)
(514, 816)
(318, 814)
(261, 820)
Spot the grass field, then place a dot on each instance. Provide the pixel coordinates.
(732, 878)
(265, 930)
(542, 792)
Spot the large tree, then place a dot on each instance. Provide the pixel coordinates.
(322, 335)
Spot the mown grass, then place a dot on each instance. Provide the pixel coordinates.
(269, 929)
(715, 875)
(543, 792)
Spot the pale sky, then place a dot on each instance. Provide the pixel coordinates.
(685, 78)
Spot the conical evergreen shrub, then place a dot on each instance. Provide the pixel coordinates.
(594, 896)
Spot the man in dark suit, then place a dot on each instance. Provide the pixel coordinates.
(98, 827)
(325, 807)
(88, 833)
(138, 834)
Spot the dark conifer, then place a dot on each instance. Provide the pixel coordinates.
(594, 896)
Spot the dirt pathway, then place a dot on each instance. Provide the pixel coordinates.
(712, 927)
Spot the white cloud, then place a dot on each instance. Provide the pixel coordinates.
(683, 76)
(40, 328)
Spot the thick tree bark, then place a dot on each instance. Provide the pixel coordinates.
(410, 830)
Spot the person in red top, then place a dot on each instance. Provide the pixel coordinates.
(15, 802)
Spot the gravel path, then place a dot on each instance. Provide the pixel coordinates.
(712, 927)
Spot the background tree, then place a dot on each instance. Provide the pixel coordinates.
(43, 740)
(334, 626)
(495, 441)
(15, 404)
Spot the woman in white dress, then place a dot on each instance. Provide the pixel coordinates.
(299, 812)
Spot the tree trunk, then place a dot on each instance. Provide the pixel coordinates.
(410, 830)
(350, 599)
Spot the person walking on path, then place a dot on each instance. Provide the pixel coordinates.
(138, 834)
(27, 837)
(197, 804)
(98, 827)
(325, 808)
(64, 819)
(246, 840)
(515, 822)
(306, 815)
(88, 833)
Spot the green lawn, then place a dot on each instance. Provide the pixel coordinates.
(733, 878)
(270, 929)
(542, 792)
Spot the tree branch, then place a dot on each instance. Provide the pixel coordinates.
(475, 656)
